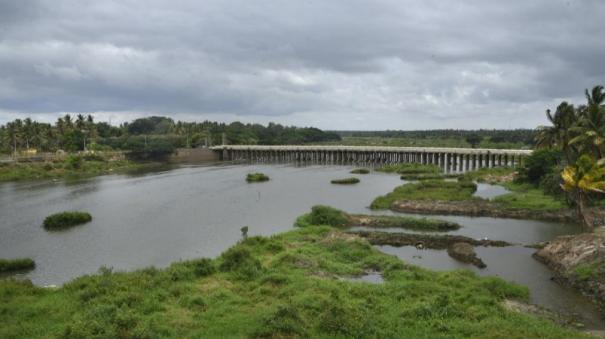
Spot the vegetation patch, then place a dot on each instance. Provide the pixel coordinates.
(389, 221)
(410, 168)
(428, 176)
(294, 292)
(360, 171)
(11, 265)
(345, 181)
(527, 196)
(428, 190)
(66, 219)
(257, 177)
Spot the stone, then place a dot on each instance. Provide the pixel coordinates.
(465, 252)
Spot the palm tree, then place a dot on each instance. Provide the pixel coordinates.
(591, 125)
(582, 178)
(561, 132)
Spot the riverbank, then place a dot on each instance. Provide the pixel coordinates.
(578, 261)
(289, 285)
(72, 168)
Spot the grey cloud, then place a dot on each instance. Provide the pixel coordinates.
(379, 62)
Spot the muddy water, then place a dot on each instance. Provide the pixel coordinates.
(160, 217)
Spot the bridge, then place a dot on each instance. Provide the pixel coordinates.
(449, 159)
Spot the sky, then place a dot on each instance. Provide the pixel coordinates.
(332, 64)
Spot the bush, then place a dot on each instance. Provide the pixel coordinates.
(9, 265)
(239, 259)
(325, 215)
(539, 164)
(345, 181)
(66, 219)
(256, 177)
(74, 162)
(360, 171)
(93, 157)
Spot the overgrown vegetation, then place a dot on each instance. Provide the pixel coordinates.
(410, 168)
(11, 265)
(256, 177)
(66, 219)
(427, 190)
(323, 215)
(74, 166)
(287, 285)
(360, 171)
(345, 181)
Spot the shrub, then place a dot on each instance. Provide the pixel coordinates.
(93, 157)
(360, 171)
(66, 219)
(538, 165)
(74, 162)
(239, 259)
(9, 265)
(256, 177)
(345, 181)
(325, 215)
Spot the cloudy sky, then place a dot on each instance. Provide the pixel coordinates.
(334, 64)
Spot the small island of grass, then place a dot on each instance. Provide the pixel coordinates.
(66, 219)
(257, 177)
(360, 171)
(12, 265)
(345, 181)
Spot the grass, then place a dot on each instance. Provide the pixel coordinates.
(288, 285)
(326, 215)
(427, 190)
(256, 177)
(428, 176)
(360, 171)
(418, 224)
(345, 181)
(66, 219)
(11, 265)
(410, 168)
(527, 196)
(495, 175)
(73, 167)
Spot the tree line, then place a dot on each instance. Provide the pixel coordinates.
(81, 132)
(571, 152)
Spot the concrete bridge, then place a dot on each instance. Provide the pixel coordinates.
(450, 159)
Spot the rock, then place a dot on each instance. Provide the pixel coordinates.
(465, 252)
(578, 261)
(438, 242)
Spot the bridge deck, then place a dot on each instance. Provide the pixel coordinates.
(447, 150)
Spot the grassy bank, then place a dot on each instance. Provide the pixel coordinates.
(427, 190)
(73, 167)
(326, 215)
(410, 168)
(289, 285)
(11, 265)
(360, 171)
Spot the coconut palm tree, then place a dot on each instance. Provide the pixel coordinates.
(582, 178)
(590, 129)
(561, 132)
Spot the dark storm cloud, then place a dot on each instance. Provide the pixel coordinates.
(336, 64)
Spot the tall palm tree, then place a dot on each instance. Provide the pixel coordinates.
(590, 129)
(561, 132)
(582, 178)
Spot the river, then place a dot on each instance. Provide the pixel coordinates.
(155, 218)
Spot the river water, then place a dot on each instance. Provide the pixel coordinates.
(155, 218)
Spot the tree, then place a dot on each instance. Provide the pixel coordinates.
(559, 135)
(473, 139)
(582, 178)
(590, 128)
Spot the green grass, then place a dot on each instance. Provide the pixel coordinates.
(489, 175)
(65, 169)
(345, 181)
(428, 176)
(288, 285)
(427, 190)
(410, 168)
(360, 171)
(256, 177)
(66, 219)
(11, 265)
(527, 196)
